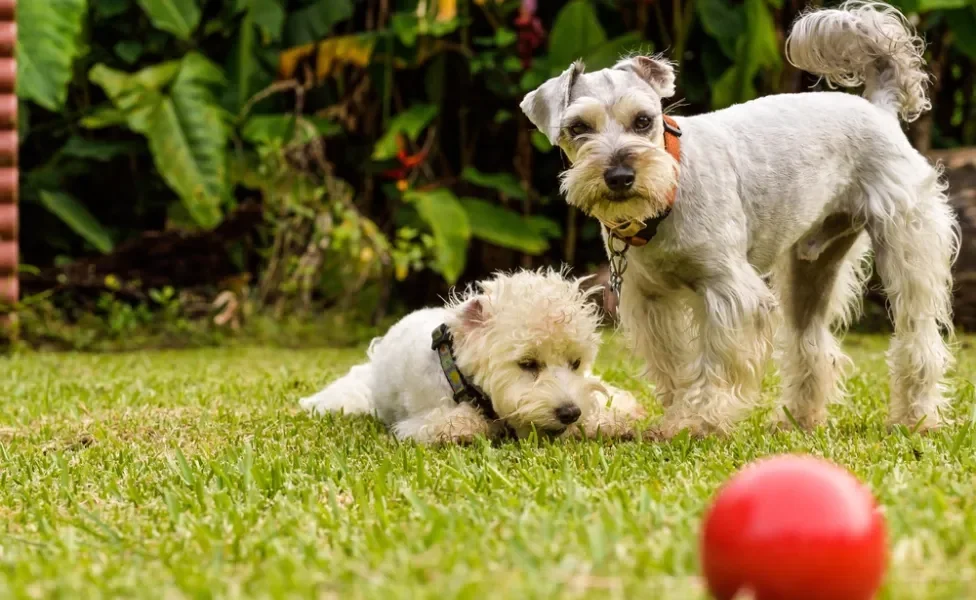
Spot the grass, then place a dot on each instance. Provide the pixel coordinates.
(190, 474)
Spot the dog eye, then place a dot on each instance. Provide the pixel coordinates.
(575, 365)
(578, 129)
(642, 123)
(529, 364)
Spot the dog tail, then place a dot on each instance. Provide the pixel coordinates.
(351, 394)
(867, 43)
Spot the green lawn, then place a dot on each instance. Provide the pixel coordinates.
(190, 474)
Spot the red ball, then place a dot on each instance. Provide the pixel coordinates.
(794, 528)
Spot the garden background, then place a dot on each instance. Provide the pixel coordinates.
(194, 166)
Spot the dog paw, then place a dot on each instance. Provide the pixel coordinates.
(805, 423)
(921, 426)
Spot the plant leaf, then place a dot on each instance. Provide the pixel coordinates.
(756, 49)
(263, 129)
(962, 23)
(504, 183)
(503, 227)
(408, 123)
(354, 50)
(100, 150)
(48, 42)
(172, 105)
(575, 33)
(930, 5)
(314, 22)
(262, 25)
(178, 17)
(545, 227)
(448, 221)
(76, 216)
(722, 21)
(607, 54)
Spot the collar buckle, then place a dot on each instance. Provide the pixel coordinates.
(443, 343)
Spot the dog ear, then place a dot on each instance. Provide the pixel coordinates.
(473, 313)
(544, 106)
(657, 72)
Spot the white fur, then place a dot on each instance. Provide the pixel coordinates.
(794, 188)
(539, 315)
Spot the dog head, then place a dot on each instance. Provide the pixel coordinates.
(529, 340)
(610, 125)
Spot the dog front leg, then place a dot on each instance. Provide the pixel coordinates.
(661, 329)
(735, 315)
(614, 415)
(459, 424)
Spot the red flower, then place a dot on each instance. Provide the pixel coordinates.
(408, 162)
(530, 32)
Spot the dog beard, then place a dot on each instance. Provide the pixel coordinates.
(655, 178)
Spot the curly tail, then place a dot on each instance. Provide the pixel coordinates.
(867, 43)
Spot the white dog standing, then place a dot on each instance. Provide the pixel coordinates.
(506, 358)
(798, 187)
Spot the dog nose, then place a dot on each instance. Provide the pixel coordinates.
(619, 178)
(568, 413)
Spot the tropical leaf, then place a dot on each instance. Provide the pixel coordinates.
(172, 105)
(545, 227)
(505, 183)
(756, 49)
(607, 54)
(503, 227)
(314, 22)
(262, 25)
(48, 42)
(128, 50)
(575, 33)
(100, 150)
(930, 5)
(448, 221)
(103, 116)
(409, 123)
(267, 15)
(328, 55)
(76, 216)
(962, 23)
(105, 9)
(263, 129)
(178, 17)
(723, 21)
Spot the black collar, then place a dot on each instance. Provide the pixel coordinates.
(464, 391)
(643, 235)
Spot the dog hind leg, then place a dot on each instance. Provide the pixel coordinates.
(350, 394)
(916, 239)
(817, 297)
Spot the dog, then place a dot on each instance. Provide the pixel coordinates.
(510, 356)
(751, 228)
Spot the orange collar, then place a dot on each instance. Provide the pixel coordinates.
(637, 232)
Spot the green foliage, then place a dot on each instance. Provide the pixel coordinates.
(379, 142)
(503, 227)
(448, 219)
(756, 49)
(178, 17)
(48, 42)
(76, 216)
(503, 183)
(410, 123)
(575, 32)
(172, 105)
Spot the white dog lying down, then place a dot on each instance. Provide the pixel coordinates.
(510, 356)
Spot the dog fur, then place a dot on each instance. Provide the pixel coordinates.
(528, 339)
(797, 189)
